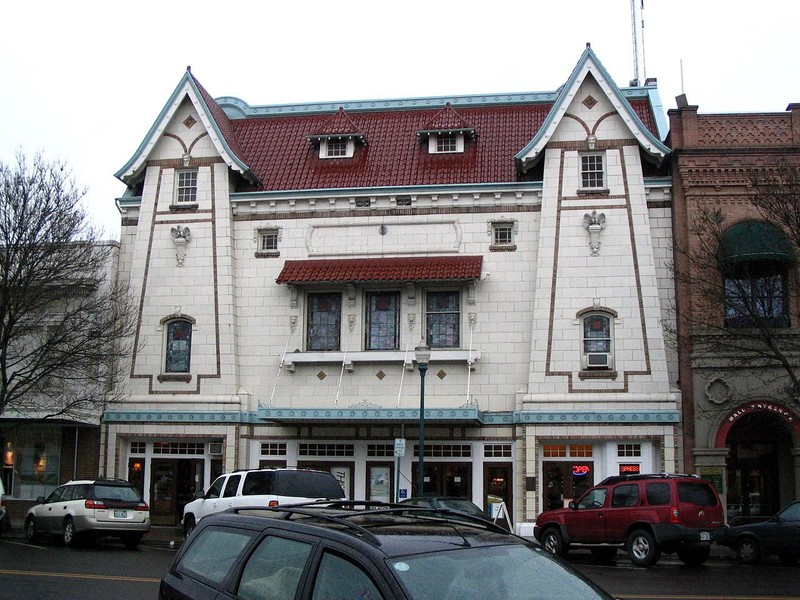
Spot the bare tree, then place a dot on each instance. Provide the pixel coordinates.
(65, 318)
(743, 283)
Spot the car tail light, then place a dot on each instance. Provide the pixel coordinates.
(142, 506)
(95, 504)
(273, 503)
(674, 515)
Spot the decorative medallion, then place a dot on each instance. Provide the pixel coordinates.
(589, 102)
(717, 391)
(321, 375)
(189, 122)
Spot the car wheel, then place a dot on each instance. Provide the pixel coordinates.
(748, 551)
(788, 559)
(69, 535)
(642, 548)
(553, 542)
(131, 540)
(188, 526)
(30, 531)
(603, 555)
(694, 556)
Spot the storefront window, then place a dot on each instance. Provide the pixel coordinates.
(37, 453)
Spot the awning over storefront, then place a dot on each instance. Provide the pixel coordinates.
(752, 241)
(440, 268)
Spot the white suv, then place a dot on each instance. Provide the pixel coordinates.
(261, 487)
(90, 509)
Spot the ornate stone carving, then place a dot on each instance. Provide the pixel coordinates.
(181, 236)
(717, 391)
(594, 223)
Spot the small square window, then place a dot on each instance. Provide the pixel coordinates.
(187, 187)
(446, 142)
(592, 174)
(337, 148)
(267, 240)
(502, 234)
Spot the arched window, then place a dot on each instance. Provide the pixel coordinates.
(754, 258)
(179, 346)
(597, 352)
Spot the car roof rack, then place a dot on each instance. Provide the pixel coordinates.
(353, 508)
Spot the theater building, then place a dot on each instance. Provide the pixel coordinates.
(289, 260)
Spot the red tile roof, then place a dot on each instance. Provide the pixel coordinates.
(276, 147)
(381, 269)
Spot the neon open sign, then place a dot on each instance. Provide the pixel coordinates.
(580, 470)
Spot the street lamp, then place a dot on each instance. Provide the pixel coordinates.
(423, 355)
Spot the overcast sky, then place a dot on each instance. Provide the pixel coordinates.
(84, 82)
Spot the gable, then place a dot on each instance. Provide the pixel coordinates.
(591, 106)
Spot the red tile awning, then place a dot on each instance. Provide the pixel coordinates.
(426, 268)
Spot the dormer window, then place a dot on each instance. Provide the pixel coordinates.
(337, 137)
(336, 148)
(446, 142)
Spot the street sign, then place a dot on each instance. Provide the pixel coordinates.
(399, 447)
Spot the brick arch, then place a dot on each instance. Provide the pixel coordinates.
(788, 416)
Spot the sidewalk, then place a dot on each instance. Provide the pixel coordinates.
(167, 537)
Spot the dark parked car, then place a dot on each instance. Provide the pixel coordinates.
(778, 535)
(447, 503)
(364, 550)
(645, 514)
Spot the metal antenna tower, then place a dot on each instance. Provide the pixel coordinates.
(637, 33)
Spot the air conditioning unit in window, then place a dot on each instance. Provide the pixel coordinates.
(215, 448)
(597, 360)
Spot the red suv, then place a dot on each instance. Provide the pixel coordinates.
(645, 514)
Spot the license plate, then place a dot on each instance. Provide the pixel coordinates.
(705, 536)
(120, 514)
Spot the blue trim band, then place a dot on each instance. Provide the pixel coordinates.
(396, 415)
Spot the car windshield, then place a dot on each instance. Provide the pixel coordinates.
(491, 573)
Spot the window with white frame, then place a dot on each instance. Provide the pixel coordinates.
(443, 319)
(446, 142)
(324, 318)
(597, 342)
(336, 147)
(383, 321)
(592, 171)
(179, 346)
(502, 233)
(186, 192)
(267, 240)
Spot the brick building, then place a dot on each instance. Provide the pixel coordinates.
(741, 427)
(289, 259)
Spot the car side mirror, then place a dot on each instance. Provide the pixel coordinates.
(40, 500)
(199, 494)
(573, 505)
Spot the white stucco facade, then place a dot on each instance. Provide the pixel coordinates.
(506, 408)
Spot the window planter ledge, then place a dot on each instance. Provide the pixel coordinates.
(350, 359)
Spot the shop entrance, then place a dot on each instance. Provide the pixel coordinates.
(497, 484)
(172, 486)
(565, 481)
(759, 446)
